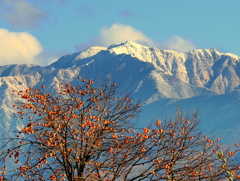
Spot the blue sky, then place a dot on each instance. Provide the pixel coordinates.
(40, 31)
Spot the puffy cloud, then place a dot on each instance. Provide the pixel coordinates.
(119, 33)
(116, 34)
(20, 13)
(18, 48)
(180, 44)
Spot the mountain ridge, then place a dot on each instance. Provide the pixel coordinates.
(163, 77)
(197, 67)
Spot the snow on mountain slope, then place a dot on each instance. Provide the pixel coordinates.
(206, 68)
(157, 77)
(202, 68)
(67, 60)
(17, 69)
(214, 70)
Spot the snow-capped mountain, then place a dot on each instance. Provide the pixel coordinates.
(205, 79)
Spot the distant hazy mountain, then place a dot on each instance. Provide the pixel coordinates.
(163, 79)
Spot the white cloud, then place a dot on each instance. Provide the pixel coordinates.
(119, 33)
(180, 44)
(18, 48)
(21, 13)
(24, 48)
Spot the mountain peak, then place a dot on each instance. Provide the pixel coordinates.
(66, 60)
(91, 51)
(98, 48)
(211, 52)
(131, 48)
(125, 44)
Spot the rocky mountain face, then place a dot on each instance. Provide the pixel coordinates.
(203, 68)
(163, 79)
